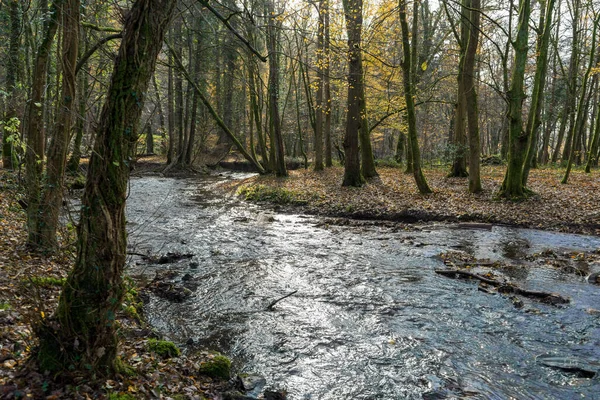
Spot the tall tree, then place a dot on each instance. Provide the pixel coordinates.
(535, 110)
(512, 186)
(473, 10)
(319, 104)
(459, 161)
(278, 152)
(84, 332)
(52, 193)
(581, 105)
(34, 129)
(408, 71)
(12, 65)
(352, 170)
(327, 85)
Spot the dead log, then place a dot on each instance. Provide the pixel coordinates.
(506, 287)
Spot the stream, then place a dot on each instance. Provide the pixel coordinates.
(370, 319)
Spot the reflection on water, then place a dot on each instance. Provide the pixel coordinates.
(370, 320)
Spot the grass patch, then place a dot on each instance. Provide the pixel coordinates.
(163, 348)
(46, 281)
(276, 195)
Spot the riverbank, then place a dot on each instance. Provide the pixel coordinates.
(30, 286)
(393, 196)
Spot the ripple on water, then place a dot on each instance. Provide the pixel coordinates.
(370, 319)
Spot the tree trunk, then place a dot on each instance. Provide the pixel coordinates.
(535, 110)
(512, 187)
(352, 170)
(471, 97)
(274, 118)
(12, 64)
(459, 163)
(593, 151)
(409, 95)
(84, 334)
(320, 112)
(52, 194)
(580, 119)
(327, 87)
(34, 128)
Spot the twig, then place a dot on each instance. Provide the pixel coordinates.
(270, 306)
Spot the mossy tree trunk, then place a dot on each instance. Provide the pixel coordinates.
(12, 65)
(33, 128)
(52, 192)
(352, 170)
(512, 187)
(408, 70)
(82, 335)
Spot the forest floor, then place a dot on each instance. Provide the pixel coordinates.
(30, 285)
(393, 196)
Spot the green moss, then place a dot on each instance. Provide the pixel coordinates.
(46, 281)
(388, 163)
(131, 305)
(5, 306)
(217, 367)
(271, 194)
(163, 348)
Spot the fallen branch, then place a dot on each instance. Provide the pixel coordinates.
(506, 288)
(270, 306)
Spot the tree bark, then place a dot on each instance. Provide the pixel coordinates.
(512, 187)
(52, 193)
(537, 99)
(12, 64)
(580, 118)
(352, 169)
(409, 96)
(34, 128)
(471, 97)
(274, 118)
(84, 334)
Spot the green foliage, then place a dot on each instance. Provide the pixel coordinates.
(389, 162)
(5, 306)
(163, 348)
(217, 367)
(271, 194)
(131, 304)
(46, 281)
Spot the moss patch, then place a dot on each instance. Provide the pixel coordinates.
(163, 348)
(218, 367)
(46, 281)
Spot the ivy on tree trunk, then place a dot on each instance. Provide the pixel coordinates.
(81, 334)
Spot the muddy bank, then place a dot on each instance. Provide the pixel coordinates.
(393, 197)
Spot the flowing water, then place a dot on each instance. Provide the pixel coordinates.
(370, 319)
